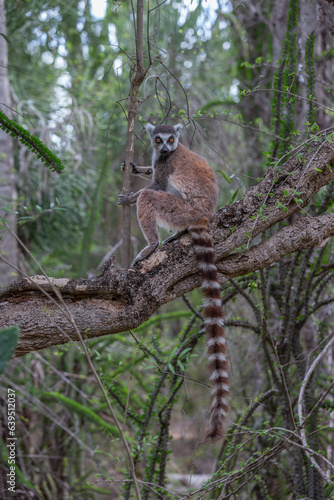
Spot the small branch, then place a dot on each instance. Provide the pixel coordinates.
(287, 92)
(307, 377)
(136, 82)
(236, 433)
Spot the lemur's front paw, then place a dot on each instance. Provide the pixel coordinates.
(134, 167)
(123, 199)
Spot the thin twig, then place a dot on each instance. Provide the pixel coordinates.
(300, 409)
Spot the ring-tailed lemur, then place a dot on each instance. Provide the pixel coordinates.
(183, 196)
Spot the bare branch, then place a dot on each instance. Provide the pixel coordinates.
(136, 82)
(306, 380)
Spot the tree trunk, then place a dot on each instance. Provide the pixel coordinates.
(136, 82)
(8, 243)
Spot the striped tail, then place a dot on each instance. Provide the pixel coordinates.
(214, 326)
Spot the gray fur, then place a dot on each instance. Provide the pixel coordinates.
(150, 128)
(169, 139)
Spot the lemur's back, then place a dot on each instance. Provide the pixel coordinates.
(194, 178)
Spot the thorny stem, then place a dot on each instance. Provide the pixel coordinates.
(322, 106)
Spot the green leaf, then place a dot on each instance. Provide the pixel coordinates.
(233, 197)
(225, 176)
(180, 364)
(8, 340)
(7, 40)
(83, 411)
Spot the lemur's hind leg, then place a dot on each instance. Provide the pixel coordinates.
(148, 224)
(146, 252)
(174, 236)
(165, 209)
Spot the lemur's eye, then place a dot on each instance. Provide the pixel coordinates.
(158, 140)
(171, 139)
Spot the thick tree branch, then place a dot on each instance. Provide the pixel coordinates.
(119, 300)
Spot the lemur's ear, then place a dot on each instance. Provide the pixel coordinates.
(150, 128)
(178, 127)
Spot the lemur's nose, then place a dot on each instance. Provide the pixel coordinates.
(164, 149)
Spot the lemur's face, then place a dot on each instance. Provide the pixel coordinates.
(164, 138)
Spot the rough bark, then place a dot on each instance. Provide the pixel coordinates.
(8, 244)
(119, 300)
